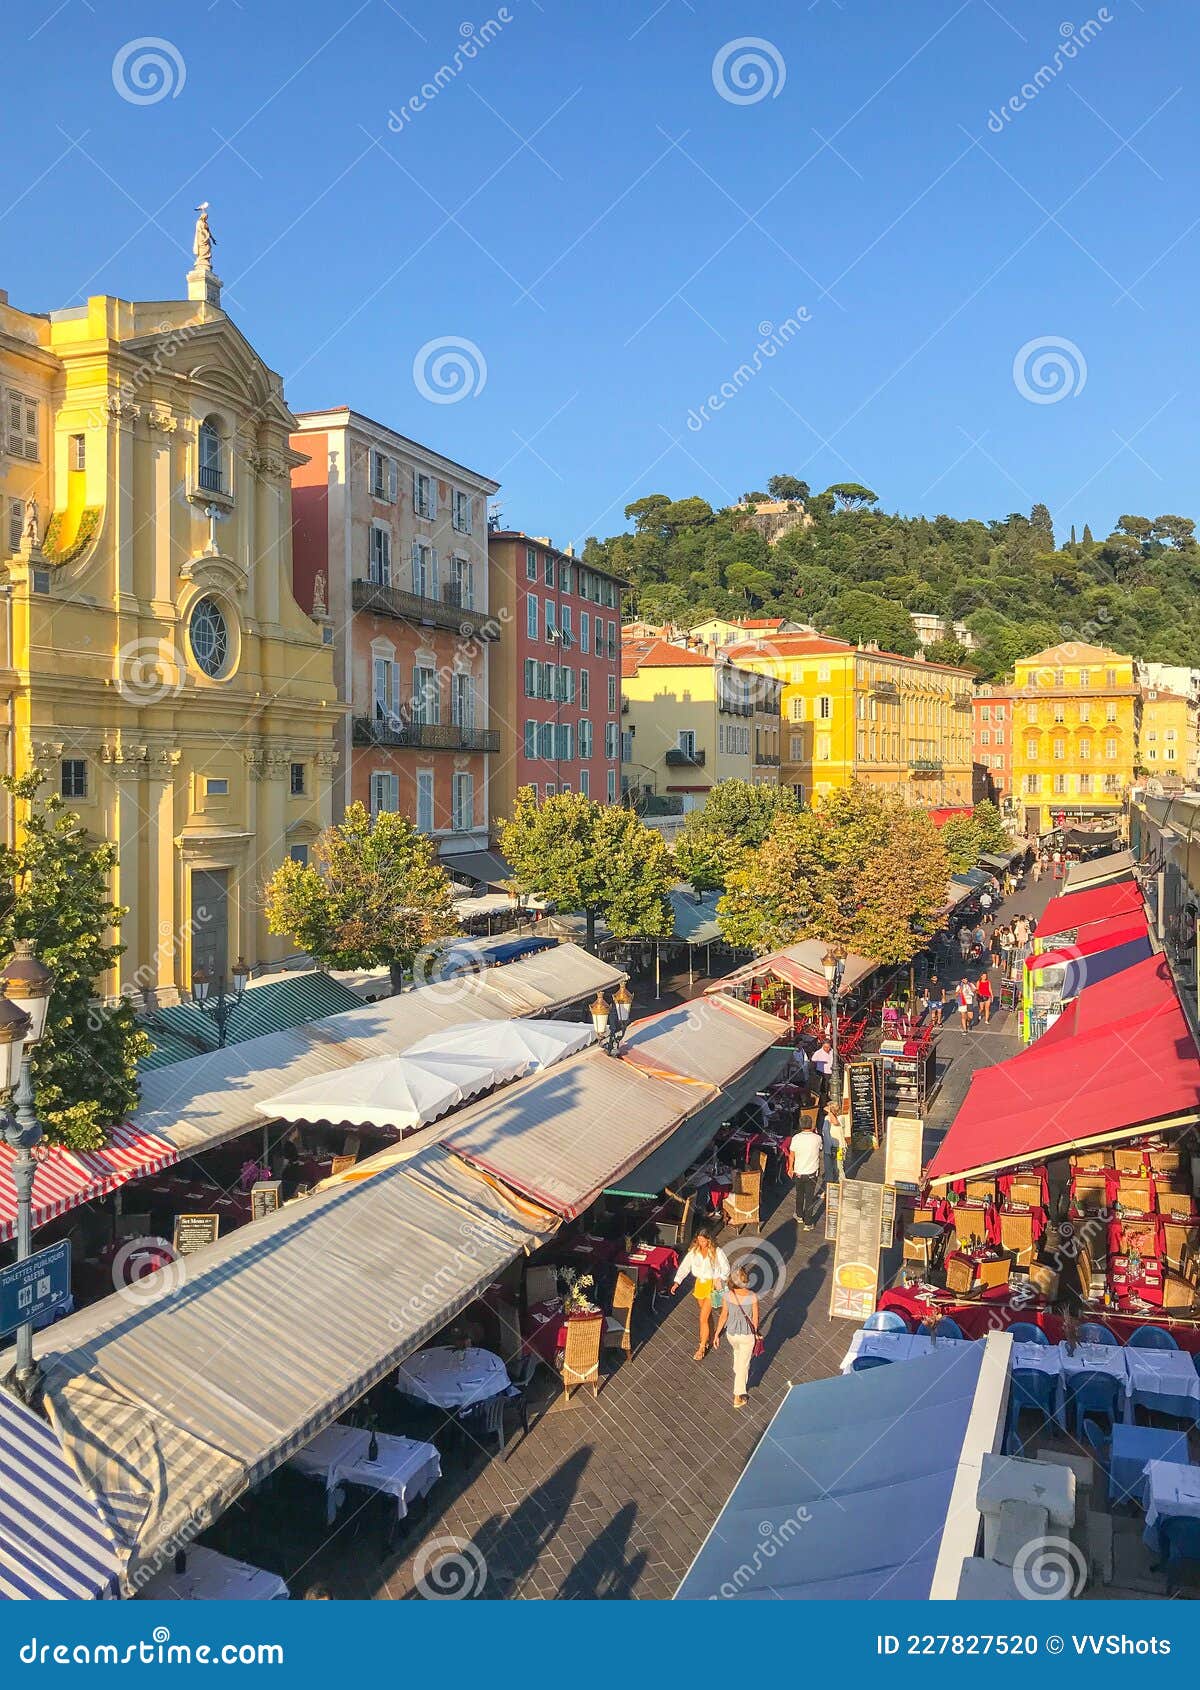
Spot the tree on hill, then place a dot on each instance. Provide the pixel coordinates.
(864, 872)
(56, 894)
(373, 895)
(788, 487)
(852, 495)
(598, 859)
(736, 817)
(863, 617)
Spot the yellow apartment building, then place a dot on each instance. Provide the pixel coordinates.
(1166, 739)
(1075, 733)
(690, 719)
(855, 713)
(153, 661)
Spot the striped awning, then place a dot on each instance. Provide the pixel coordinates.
(183, 1029)
(52, 1544)
(66, 1178)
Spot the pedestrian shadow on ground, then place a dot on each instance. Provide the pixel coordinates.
(606, 1570)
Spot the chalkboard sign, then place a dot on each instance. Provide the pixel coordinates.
(888, 1230)
(266, 1195)
(194, 1232)
(864, 1102)
(832, 1189)
(860, 1228)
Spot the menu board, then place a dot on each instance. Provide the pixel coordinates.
(905, 1152)
(832, 1188)
(888, 1230)
(266, 1195)
(194, 1232)
(864, 1101)
(856, 1249)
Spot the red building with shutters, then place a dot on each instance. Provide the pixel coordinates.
(556, 672)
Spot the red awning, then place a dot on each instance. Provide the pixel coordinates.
(1101, 936)
(1110, 1079)
(1081, 909)
(66, 1178)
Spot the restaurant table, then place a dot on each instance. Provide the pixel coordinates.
(1092, 1362)
(405, 1468)
(1163, 1379)
(452, 1378)
(1132, 1448)
(212, 1577)
(995, 1309)
(1170, 1491)
(891, 1346)
(545, 1329)
(592, 1248)
(1041, 1366)
(652, 1261)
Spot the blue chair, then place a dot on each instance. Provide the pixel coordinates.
(1091, 1332)
(885, 1320)
(1025, 1332)
(947, 1328)
(1100, 1444)
(1181, 1541)
(861, 1363)
(1097, 1394)
(1152, 1338)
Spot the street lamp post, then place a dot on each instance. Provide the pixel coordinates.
(202, 991)
(24, 1001)
(834, 965)
(611, 1020)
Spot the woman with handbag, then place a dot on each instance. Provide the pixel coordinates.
(709, 1268)
(739, 1322)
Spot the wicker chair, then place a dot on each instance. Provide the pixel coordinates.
(541, 1284)
(683, 1227)
(581, 1355)
(618, 1326)
(740, 1208)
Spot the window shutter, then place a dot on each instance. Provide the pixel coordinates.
(391, 479)
(415, 490)
(434, 591)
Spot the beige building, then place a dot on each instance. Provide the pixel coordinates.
(154, 661)
(690, 720)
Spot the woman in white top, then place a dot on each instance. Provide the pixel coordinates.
(709, 1268)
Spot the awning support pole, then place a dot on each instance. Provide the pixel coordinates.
(657, 973)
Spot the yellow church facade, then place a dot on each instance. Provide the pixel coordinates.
(155, 665)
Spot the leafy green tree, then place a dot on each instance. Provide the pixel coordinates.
(373, 895)
(865, 872)
(949, 651)
(1176, 531)
(598, 859)
(56, 894)
(862, 617)
(961, 836)
(736, 817)
(788, 487)
(852, 495)
(992, 834)
(1041, 520)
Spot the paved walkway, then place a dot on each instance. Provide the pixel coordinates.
(613, 1496)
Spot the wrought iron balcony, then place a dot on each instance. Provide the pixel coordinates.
(926, 765)
(886, 689)
(679, 759)
(209, 478)
(446, 612)
(424, 736)
(766, 760)
(962, 700)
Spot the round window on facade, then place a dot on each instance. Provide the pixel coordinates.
(209, 635)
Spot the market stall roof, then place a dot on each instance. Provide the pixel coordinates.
(53, 1546)
(171, 1406)
(863, 1486)
(1114, 1079)
(66, 1178)
(564, 1135)
(536, 1044)
(975, 878)
(1143, 990)
(695, 918)
(1097, 871)
(394, 1093)
(800, 966)
(487, 867)
(1076, 910)
(202, 1102)
(714, 1039)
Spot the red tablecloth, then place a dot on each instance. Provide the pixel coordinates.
(592, 1249)
(654, 1261)
(993, 1312)
(545, 1329)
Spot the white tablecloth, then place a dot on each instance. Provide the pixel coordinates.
(452, 1378)
(1163, 1379)
(1093, 1359)
(1044, 1359)
(1170, 1490)
(405, 1468)
(891, 1346)
(212, 1577)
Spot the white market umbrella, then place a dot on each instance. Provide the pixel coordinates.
(387, 1091)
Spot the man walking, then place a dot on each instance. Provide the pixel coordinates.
(804, 1165)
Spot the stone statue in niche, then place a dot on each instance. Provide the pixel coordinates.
(33, 533)
(320, 606)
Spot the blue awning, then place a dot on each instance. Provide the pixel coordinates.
(863, 1487)
(52, 1545)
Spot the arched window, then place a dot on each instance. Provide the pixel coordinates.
(209, 445)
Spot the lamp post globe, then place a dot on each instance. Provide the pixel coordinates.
(28, 983)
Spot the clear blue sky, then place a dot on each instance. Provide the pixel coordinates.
(582, 204)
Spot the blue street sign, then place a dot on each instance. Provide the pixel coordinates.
(35, 1287)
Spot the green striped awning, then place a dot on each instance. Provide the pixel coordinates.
(274, 1007)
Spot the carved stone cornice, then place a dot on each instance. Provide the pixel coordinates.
(161, 420)
(327, 761)
(122, 409)
(137, 760)
(267, 464)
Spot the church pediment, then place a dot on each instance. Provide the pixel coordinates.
(215, 572)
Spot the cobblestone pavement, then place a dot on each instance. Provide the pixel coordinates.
(612, 1496)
